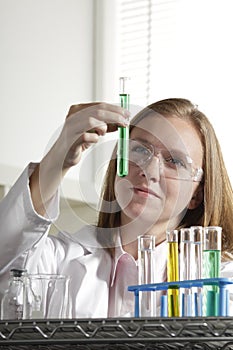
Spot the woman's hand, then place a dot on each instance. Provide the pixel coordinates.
(83, 126)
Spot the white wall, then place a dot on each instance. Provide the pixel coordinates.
(46, 65)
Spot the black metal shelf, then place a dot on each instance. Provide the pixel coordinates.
(123, 334)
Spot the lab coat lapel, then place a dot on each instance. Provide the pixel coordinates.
(94, 276)
(94, 286)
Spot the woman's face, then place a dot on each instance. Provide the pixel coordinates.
(148, 193)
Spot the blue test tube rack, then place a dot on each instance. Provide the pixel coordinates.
(222, 283)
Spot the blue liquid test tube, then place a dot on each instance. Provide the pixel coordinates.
(123, 133)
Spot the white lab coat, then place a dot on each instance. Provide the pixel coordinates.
(25, 244)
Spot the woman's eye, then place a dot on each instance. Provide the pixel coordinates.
(139, 153)
(141, 150)
(171, 161)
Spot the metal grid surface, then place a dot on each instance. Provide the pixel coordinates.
(123, 334)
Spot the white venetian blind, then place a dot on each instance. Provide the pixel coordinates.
(143, 26)
(175, 48)
(180, 48)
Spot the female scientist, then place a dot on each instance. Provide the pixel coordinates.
(177, 178)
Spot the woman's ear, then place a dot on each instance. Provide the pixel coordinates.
(197, 198)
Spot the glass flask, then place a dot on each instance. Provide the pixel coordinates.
(13, 298)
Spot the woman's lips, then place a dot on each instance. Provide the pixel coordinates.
(145, 192)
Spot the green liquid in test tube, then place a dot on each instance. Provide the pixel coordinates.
(211, 263)
(123, 133)
(211, 268)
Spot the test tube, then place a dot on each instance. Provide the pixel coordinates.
(196, 271)
(186, 265)
(211, 268)
(146, 274)
(123, 133)
(172, 273)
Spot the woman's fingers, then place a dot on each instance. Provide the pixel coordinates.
(83, 126)
(100, 117)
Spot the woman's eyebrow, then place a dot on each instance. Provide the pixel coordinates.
(142, 140)
(162, 147)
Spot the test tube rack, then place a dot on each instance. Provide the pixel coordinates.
(222, 283)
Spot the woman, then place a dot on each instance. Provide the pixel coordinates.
(214, 193)
(176, 178)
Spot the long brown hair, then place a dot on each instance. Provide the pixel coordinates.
(216, 208)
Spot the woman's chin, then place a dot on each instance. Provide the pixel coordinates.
(141, 214)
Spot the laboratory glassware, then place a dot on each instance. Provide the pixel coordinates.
(146, 274)
(123, 132)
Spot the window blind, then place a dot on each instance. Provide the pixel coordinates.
(175, 48)
(143, 26)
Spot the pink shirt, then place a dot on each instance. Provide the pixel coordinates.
(125, 273)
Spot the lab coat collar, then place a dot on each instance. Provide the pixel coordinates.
(86, 237)
(86, 240)
(119, 252)
(161, 262)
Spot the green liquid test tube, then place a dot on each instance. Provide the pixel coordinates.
(123, 135)
(211, 263)
(211, 268)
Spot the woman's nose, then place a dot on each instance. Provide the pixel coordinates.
(152, 170)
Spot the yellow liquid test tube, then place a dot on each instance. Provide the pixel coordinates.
(123, 133)
(173, 273)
